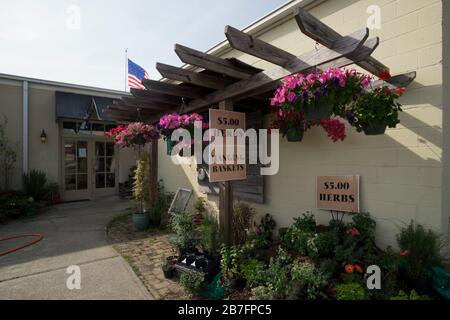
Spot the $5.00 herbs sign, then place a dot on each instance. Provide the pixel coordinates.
(232, 165)
(338, 193)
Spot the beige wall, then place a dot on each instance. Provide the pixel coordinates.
(402, 170)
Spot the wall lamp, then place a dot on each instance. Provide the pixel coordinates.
(43, 136)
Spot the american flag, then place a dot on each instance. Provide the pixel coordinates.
(135, 75)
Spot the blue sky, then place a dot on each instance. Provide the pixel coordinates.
(45, 39)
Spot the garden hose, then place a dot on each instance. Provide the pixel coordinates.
(38, 237)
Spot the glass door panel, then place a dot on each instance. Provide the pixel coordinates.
(76, 165)
(105, 165)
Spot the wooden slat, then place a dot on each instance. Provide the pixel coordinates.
(124, 107)
(144, 103)
(209, 62)
(323, 34)
(156, 97)
(188, 76)
(174, 90)
(397, 81)
(346, 46)
(246, 43)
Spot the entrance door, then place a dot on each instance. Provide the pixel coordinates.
(105, 168)
(76, 176)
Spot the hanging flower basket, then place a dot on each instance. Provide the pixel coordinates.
(134, 134)
(375, 128)
(294, 135)
(318, 111)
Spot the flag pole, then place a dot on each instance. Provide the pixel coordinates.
(126, 69)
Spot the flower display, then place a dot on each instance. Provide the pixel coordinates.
(334, 128)
(358, 268)
(353, 232)
(136, 133)
(170, 122)
(349, 268)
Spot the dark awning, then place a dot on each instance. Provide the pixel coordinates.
(81, 107)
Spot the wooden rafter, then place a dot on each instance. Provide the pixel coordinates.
(397, 81)
(347, 46)
(323, 34)
(156, 97)
(192, 77)
(143, 103)
(231, 68)
(175, 90)
(246, 43)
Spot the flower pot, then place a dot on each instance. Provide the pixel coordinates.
(318, 112)
(294, 135)
(30, 211)
(168, 273)
(170, 144)
(141, 221)
(376, 128)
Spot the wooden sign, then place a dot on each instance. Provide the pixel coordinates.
(338, 193)
(223, 120)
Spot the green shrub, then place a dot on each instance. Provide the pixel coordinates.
(253, 272)
(350, 291)
(326, 242)
(306, 223)
(421, 250)
(210, 235)
(230, 263)
(263, 293)
(186, 233)
(413, 295)
(159, 212)
(299, 237)
(328, 267)
(34, 183)
(266, 227)
(192, 282)
(364, 223)
(278, 274)
(141, 184)
(242, 221)
(307, 281)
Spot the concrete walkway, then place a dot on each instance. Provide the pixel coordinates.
(74, 234)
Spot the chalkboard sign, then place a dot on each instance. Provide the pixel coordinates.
(180, 201)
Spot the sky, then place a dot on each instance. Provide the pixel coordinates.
(84, 41)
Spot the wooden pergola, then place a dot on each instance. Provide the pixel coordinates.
(223, 83)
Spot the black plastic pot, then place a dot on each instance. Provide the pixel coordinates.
(168, 273)
(376, 128)
(318, 112)
(294, 135)
(422, 286)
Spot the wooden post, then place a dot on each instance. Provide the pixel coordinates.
(226, 196)
(153, 172)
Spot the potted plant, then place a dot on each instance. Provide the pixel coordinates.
(134, 134)
(30, 207)
(186, 237)
(372, 112)
(291, 125)
(168, 266)
(171, 122)
(141, 192)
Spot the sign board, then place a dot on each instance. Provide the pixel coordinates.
(180, 201)
(338, 193)
(223, 120)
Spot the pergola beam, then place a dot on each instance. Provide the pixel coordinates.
(144, 103)
(156, 97)
(192, 77)
(347, 46)
(174, 90)
(247, 43)
(323, 34)
(210, 62)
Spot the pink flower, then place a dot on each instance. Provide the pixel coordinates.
(292, 97)
(353, 232)
(405, 252)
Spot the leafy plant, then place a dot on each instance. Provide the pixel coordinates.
(8, 155)
(200, 206)
(298, 236)
(328, 267)
(192, 282)
(210, 234)
(278, 274)
(242, 221)
(377, 106)
(34, 183)
(230, 263)
(365, 225)
(325, 243)
(420, 250)
(253, 272)
(263, 293)
(266, 227)
(413, 295)
(308, 282)
(159, 211)
(186, 234)
(141, 185)
(350, 291)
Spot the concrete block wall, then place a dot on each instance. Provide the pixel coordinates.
(401, 172)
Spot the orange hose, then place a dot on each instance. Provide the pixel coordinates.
(38, 237)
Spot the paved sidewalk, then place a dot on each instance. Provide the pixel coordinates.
(74, 234)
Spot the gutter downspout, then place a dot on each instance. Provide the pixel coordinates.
(25, 129)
